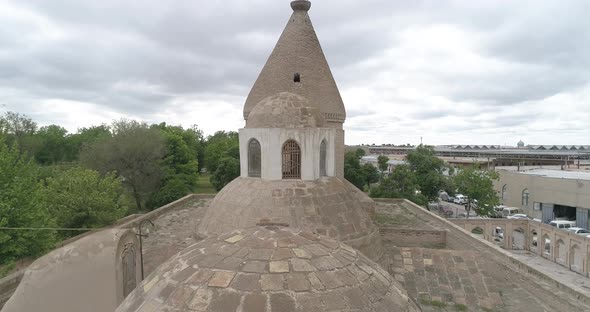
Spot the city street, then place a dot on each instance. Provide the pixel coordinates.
(457, 209)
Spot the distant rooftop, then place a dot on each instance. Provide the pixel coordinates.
(559, 174)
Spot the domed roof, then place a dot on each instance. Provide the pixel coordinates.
(268, 269)
(284, 110)
(520, 143)
(329, 206)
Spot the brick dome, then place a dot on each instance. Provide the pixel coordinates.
(285, 110)
(270, 269)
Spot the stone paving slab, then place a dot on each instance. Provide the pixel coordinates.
(557, 272)
(451, 280)
(173, 232)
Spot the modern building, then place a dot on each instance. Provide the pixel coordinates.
(391, 163)
(547, 194)
(491, 156)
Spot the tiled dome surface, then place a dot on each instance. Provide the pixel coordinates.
(284, 110)
(327, 206)
(268, 269)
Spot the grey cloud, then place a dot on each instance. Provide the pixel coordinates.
(216, 49)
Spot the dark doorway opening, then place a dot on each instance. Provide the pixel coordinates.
(564, 212)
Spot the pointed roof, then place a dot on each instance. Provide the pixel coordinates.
(298, 65)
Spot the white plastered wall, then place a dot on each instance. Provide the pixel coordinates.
(271, 142)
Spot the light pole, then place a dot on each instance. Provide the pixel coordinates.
(141, 243)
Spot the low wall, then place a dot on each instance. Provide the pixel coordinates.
(564, 248)
(460, 239)
(413, 238)
(69, 278)
(9, 283)
(8, 286)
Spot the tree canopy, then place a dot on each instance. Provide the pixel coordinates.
(20, 207)
(428, 170)
(479, 185)
(82, 198)
(135, 153)
(382, 162)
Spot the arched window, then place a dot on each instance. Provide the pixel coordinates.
(323, 158)
(291, 160)
(254, 158)
(504, 188)
(525, 197)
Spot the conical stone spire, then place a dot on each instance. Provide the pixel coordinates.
(298, 65)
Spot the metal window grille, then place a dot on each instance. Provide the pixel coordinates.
(254, 158)
(291, 160)
(323, 159)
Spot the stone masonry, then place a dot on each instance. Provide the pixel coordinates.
(269, 269)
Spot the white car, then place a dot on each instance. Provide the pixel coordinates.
(518, 216)
(579, 231)
(460, 199)
(562, 224)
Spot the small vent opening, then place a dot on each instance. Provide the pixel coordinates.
(296, 77)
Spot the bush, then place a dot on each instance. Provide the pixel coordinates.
(20, 207)
(172, 190)
(227, 170)
(81, 198)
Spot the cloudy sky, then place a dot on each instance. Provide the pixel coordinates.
(459, 72)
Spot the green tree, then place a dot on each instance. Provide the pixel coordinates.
(382, 162)
(181, 156)
(220, 145)
(197, 142)
(428, 170)
(81, 198)
(19, 129)
(135, 153)
(84, 138)
(227, 170)
(401, 183)
(370, 174)
(352, 170)
(180, 164)
(172, 189)
(360, 152)
(52, 145)
(20, 207)
(479, 185)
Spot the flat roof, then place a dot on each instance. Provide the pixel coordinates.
(559, 174)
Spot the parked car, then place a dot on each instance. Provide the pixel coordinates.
(499, 208)
(518, 216)
(472, 214)
(562, 224)
(460, 199)
(578, 230)
(451, 199)
(509, 211)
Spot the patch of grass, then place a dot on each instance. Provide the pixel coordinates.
(204, 185)
(460, 307)
(477, 231)
(395, 219)
(434, 303)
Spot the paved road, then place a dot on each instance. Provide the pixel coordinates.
(457, 209)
